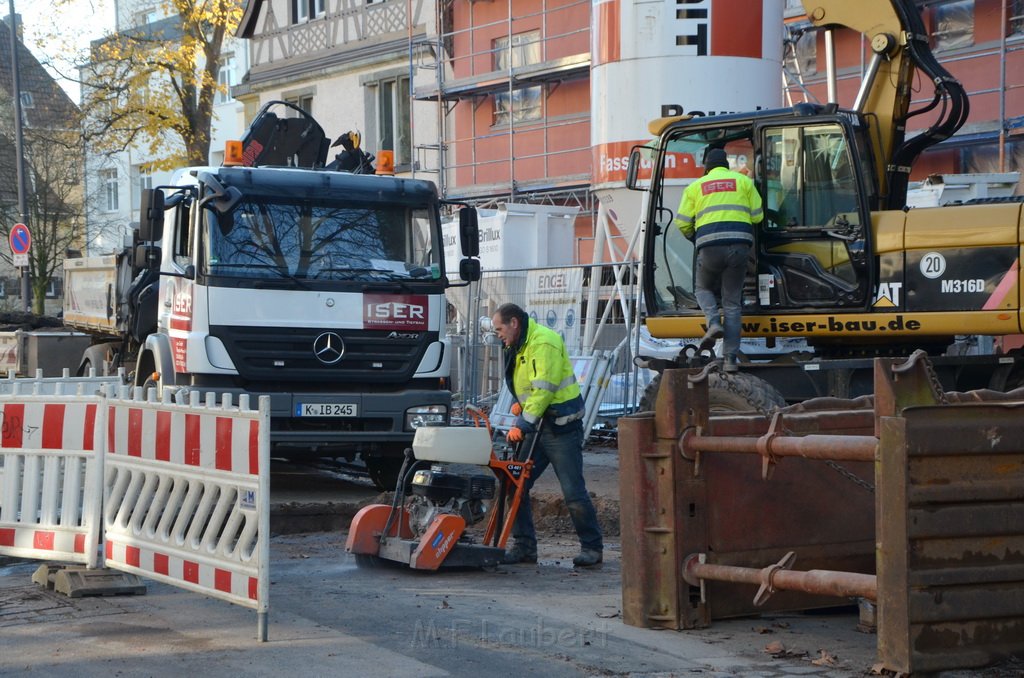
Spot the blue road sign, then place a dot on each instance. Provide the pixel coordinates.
(20, 238)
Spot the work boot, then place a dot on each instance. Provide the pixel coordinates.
(520, 553)
(730, 364)
(588, 557)
(714, 333)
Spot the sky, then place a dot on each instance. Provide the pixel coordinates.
(53, 34)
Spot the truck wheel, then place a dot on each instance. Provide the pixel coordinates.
(83, 369)
(383, 471)
(735, 393)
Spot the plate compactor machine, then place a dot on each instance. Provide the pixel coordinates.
(425, 525)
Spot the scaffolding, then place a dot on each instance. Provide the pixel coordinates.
(1002, 130)
(515, 63)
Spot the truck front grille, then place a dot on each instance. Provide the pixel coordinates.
(273, 353)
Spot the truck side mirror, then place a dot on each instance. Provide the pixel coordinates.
(151, 215)
(147, 256)
(633, 170)
(469, 232)
(469, 270)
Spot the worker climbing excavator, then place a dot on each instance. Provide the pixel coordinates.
(838, 260)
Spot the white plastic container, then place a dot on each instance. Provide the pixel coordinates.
(453, 444)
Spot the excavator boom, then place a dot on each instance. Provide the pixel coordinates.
(896, 34)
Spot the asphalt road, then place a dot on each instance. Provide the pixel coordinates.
(330, 618)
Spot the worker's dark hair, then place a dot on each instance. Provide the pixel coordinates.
(715, 157)
(509, 311)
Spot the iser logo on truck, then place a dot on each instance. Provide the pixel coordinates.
(395, 311)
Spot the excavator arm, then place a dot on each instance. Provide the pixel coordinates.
(898, 40)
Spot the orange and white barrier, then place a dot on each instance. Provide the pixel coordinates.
(51, 473)
(186, 495)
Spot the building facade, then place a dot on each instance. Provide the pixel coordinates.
(351, 64)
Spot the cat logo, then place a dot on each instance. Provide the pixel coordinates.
(887, 295)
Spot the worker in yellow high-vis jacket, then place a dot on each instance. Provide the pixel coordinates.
(718, 213)
(542, 381)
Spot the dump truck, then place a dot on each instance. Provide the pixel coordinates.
(839, 260)
(275, 275)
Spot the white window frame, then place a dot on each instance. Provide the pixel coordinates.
(109, 182)
(140, 181)
(303, 101)
(225, 79)
(394, 118)
(304, 10)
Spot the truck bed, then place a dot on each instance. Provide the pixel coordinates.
(91, 293)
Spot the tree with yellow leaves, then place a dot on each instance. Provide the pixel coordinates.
(153, 86)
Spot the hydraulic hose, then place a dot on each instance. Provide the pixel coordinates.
(949, 93)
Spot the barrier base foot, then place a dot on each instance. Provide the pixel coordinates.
(78, 582)
(868, 622)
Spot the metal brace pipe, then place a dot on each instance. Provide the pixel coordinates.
(776, 443)
(779, 577)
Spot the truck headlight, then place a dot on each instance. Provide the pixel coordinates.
(425, 415)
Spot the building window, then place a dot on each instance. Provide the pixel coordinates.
(26, 100)
(3, 288)
(304, 10)
(303, 101)
(225, 79)
(393, 119)
(1016, 17)
(145, 17)
(523, 104)
(141, 179)
(108, 181)
(953, 25)
(52, 288)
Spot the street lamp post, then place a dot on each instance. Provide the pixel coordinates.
(19, 146)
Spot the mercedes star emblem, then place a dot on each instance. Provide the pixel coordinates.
(328, 348)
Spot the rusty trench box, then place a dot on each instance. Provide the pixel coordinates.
(937, 516)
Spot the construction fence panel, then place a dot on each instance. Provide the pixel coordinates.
(51, 474)
(186, 495)
(951, 537)
(553, 296)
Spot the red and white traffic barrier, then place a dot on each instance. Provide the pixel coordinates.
(51, 471)
(187, 495)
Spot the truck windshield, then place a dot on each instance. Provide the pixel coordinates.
(320, 240)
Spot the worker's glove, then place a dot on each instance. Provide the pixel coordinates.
(515, 435)
(517, 409)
